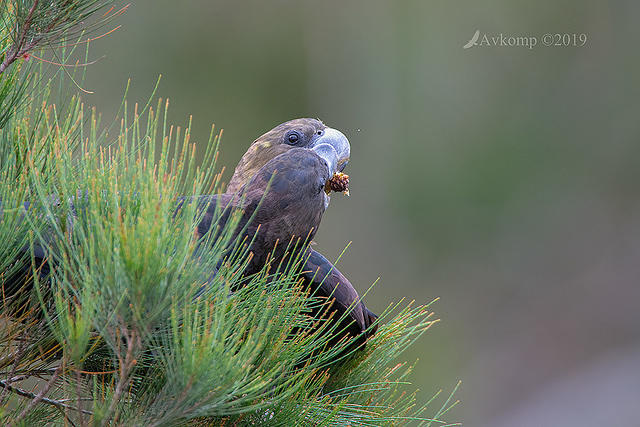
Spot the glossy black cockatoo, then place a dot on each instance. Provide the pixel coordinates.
(320, 275)
(285, 200)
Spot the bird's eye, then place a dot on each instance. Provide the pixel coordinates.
(320, 132)
(293, 138)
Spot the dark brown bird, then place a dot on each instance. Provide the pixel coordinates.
(322, 277)
(282, 202)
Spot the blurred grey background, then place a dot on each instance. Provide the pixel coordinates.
(501, 179)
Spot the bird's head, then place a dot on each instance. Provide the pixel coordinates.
(299, 133)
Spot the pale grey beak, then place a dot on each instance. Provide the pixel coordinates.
(329, 154)
(340, 144)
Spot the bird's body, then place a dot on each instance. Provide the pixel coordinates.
(283, 203)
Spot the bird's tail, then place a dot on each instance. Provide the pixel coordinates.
(370, 319)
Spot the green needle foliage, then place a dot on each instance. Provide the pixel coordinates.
(30, 25)
(136, 323)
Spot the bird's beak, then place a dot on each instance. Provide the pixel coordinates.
(328, 153)
(340, 144)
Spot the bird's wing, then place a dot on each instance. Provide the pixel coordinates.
(325, 280)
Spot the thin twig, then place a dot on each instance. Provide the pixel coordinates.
(81, 399)
(30, 395)
(17, 356)
(33, 372)
(42, 393)
(126, 365)
(17, 49)
(19, 378)
(20, 48)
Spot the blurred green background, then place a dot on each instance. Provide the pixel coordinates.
(501, 179)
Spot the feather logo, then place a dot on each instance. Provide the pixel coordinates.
(473, 41)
